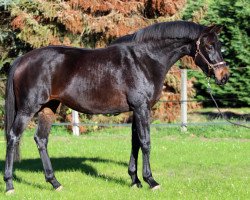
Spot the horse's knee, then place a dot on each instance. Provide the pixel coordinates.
(145, 146)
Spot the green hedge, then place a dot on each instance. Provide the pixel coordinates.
(234, 16)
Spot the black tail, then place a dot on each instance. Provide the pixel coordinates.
(10, 107)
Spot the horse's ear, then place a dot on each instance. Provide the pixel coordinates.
(217, 29)
(213, 29)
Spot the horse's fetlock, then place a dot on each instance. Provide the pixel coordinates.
(132, 173)
(147, 177)
(7, 177)
(49, 177)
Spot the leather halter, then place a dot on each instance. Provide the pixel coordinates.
(210, 65)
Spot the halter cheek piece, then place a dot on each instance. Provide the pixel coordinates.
(210, 65)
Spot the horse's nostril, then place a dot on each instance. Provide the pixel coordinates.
(224, 79)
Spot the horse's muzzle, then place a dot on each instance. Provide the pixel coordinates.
(221, 75)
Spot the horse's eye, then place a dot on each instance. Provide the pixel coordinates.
(209, 46)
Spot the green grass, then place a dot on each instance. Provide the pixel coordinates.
(204, 163)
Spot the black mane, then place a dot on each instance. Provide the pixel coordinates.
(164, 30)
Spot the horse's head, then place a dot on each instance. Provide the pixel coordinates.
(208, 55)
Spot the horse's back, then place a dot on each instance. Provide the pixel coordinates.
(97, 84)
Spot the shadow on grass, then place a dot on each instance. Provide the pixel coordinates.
(67, 164)
(227, 114)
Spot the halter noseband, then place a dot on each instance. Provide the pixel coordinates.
(210, 65)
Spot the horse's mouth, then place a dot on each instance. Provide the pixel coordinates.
(222, 81)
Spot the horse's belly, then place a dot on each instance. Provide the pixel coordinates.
(101, 102)
(104, 105)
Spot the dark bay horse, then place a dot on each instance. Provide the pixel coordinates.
(125, 76)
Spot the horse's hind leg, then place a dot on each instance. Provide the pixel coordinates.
(45, 119)
(132, 169)
(13, 139)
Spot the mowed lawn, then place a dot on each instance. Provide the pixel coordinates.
(204, 163)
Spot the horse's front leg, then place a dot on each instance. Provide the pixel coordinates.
(141, 116)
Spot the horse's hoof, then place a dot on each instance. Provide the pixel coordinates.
(157, 187)
(10, 192)
(136, 185)
(60, 188)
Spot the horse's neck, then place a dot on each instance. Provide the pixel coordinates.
(166, 53)
(169, 52)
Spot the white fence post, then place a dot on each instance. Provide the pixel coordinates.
(75, 122)
(184, 100)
